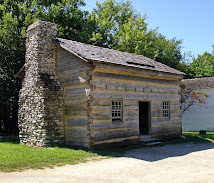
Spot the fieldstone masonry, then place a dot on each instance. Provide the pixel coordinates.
(41, 97)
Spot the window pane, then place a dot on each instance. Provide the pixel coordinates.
(117, 110)
(166, 109)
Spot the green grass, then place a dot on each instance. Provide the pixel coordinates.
(195, 138)
(18, 157)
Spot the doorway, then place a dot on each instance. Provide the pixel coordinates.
(144, 118)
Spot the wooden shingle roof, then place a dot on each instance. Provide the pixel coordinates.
(95, 53)
(199, 83)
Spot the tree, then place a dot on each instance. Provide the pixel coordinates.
(15, 17)
(168, 51)
(12, 48)
(203, 65)
(72, 22)
(9, 89)
(184, 64)
(118, 26)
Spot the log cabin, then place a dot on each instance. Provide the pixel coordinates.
(83, 95)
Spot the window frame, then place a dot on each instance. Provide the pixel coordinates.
(166, 109)
(115, 118)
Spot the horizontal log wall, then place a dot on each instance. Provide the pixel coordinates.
(107, 86)
(88, 93)
(126, 70)
(73, 74)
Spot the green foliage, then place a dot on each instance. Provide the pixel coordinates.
(203, 65)
(15, 17)
(184, 67)
(121, 28)
(12, 48)
(72, 22)
(168, 51)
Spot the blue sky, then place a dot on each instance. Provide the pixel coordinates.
(188, 20)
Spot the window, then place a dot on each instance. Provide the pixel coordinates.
(117, 110)
(166, 109)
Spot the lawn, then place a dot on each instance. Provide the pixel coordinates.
(18, 157)
(195, 137)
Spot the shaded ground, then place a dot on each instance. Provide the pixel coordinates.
(181, 163)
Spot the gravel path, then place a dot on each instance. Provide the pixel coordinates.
(183, 163)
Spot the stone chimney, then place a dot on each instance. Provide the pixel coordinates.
(41, 97)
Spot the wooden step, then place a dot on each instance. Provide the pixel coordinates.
(149, 142)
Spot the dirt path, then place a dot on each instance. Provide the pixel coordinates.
(183, 163)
